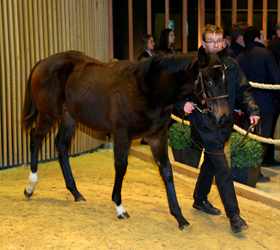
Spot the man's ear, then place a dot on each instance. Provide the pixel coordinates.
(203, 44)
(278, 33)
(256, 39)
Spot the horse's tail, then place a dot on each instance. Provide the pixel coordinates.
(29, 111)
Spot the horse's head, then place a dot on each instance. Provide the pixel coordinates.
(210, 87)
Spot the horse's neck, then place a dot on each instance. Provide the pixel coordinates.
(165, 82)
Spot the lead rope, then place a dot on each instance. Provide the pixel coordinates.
(246, 135)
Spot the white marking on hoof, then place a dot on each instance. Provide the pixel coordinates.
(120, 209)
(33, 179)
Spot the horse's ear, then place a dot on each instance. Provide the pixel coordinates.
(222, 52)
(203, 57)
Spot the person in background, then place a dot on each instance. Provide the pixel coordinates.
(237, 43)
(213, 138)
(167, 38)
(227, 39)
(274, 47)
(258, 65)
(274, 44)
(147, 46)
(236, 32)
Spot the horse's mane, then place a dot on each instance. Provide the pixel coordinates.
(172, 63)
(123, 65)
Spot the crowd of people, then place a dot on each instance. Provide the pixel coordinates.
(246, 59)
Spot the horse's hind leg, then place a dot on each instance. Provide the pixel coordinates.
(158, 144)
(37, 135)
(121, 151)
(62, 141)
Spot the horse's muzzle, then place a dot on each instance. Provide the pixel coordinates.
(223, 121)
(221, 116)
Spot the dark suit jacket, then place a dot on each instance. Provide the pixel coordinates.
(258, 65)
(274, 47)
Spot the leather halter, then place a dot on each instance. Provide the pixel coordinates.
(205, 100)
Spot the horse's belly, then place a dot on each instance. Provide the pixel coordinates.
(91, 115)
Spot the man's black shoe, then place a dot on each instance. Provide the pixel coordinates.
(263, 178)
(237, 224)
(206, 207)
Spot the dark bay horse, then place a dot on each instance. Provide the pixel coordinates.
(128, 99)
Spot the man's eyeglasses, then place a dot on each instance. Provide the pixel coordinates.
(212, 42)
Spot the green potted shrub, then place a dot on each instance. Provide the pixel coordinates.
(182, 147)
(246, 160)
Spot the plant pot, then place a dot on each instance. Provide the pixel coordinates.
(246, 175)
(188, 156)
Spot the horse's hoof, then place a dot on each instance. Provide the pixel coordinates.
(81, 198)
(124, 215)
(27, 194)
(184, 225)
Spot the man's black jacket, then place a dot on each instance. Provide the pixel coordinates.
(238, 88)
(258, 65)
(274, 47)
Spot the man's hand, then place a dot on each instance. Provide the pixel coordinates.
(189, 107)
(254, 119)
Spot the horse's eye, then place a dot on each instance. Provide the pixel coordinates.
(209, 83)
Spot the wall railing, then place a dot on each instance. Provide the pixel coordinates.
(30, 31)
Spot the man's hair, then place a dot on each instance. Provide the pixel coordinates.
(237, 29)
(213, 29)
(251, 33)
(277, 27)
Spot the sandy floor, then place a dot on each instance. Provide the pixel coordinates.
(50, 219)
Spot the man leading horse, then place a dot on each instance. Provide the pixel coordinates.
(214, 137)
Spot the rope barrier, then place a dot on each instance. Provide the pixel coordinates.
(238, 129)
(264, 86)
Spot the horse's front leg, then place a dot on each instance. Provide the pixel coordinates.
(158, 144)
(121, 151)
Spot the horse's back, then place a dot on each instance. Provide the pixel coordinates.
(99, 94)
(49, 79)
(73, 58)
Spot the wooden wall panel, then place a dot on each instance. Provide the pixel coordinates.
(234, 12)
(250, 12)
(184, 26)
(264, 19)
(278, 10)
(149, 16)
(201, 20)
(167, 14)
(33, 30)
(218, 12)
